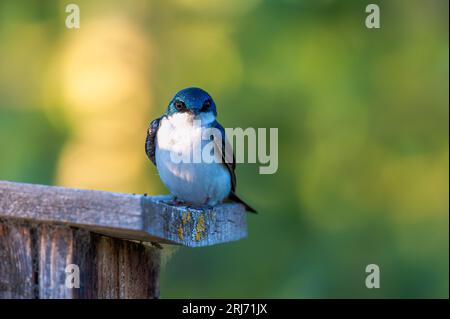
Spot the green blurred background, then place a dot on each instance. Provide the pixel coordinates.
(362, 117)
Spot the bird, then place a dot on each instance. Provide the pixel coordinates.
(177, 133)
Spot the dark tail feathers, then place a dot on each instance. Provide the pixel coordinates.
(235, 198)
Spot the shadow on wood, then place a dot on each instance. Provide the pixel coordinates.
(43, 229)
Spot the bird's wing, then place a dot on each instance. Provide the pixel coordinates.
(226, 152)
(150, 142)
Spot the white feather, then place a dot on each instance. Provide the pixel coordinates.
(196, 183)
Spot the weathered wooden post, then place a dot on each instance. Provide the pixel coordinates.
(44, 229)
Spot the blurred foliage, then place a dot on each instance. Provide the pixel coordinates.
(362, 117)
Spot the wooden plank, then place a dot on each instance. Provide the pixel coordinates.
(55, 253)
(126, 269)
(17, 275)
(194, 227)
(110, 268)
(85, 257)
(34, 260)
(127, 216)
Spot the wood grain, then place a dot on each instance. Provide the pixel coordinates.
(55, 252)
(125, 269)
(126, 216)
(17, 275)
(109, 268)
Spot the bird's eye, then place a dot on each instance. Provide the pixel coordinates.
(179, 105)
(206, 105)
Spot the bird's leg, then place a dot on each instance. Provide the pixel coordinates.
(156, 244)
(175, 202)
(205, 205)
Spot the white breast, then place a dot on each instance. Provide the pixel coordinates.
(196, 183)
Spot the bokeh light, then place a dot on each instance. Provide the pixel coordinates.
(362, 117)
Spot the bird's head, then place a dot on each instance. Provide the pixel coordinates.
(195, 102)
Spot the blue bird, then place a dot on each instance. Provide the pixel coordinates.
(176, 135)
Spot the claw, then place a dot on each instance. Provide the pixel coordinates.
(175, 202)
(156, 244)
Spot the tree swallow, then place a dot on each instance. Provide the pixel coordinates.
(177, 134)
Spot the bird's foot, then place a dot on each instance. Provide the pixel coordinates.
(205, 206)
(156, 244)
(176, 202)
